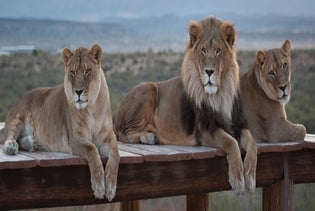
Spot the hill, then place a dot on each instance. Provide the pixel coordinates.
(159, 33)
(55, 35)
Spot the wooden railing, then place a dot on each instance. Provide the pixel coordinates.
(49, 179)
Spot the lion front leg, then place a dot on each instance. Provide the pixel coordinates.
(90, 153)
(10, 133)
(108, 147)
(248, 143)
(229, 145)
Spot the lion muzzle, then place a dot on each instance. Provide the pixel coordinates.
(209, 82)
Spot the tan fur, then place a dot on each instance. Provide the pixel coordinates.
(264, 91)
(151, 112)
(54, 119)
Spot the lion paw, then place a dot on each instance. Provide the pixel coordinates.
(98, 184)
(111, 185)
(236, 179)
(27, 143)
(250, 183)
(238, 185)
(250, 172)
(10, 147)
(149, 138)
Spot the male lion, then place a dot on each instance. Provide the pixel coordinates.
(74, 117)
(264, 91)
(200, 107)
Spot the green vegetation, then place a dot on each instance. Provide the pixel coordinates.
(21, 72)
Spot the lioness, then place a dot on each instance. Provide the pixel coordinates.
(200, 107)
(265, 90)
(74, 117)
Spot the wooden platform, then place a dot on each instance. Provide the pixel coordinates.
(46, 179)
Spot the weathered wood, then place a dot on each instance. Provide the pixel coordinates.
(128, 157)
(46, 159)
(274, 197)
(69, 185)
(279, 147)
(15, 161)
(130, 205)
(302, 166)
(154, 152)
(197, 202)
(58, 179)
(199, 152)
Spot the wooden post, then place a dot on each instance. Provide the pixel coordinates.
(279, 196)
(130, 205)
(274, 197)
(197, 202)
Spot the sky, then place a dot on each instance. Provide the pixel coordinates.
(100, 10)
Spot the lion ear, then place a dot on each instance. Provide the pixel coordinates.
(286, 46)
(260, 57)
(228, 32)
(66, 54)
(195, 32)
(96, 53)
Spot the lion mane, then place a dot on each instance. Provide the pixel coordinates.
(200, 107)
(73, 117)
(265, 90)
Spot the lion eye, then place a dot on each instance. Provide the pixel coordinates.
(272, 73)
(87, 71)
(203, 51)
(218, 51)
(285, 66)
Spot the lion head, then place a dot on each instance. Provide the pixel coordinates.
(210, 72)
(274, 72)
(82, 79)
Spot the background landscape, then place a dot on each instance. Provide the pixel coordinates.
(145, 41)
(160, 33)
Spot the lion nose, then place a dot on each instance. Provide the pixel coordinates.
(282, 88)
(79, 92)
(209, 72)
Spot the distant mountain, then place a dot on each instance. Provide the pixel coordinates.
(158, 33)
(49, 34)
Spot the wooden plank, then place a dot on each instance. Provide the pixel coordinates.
(15, 161)
(301, 166)
(70, 185)
(128, 157)
(269, 168)
(147, 155)
(198, 152)
(309, 141)
(45, 187)
(155, 152)
(46, 159)
(279, 147)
